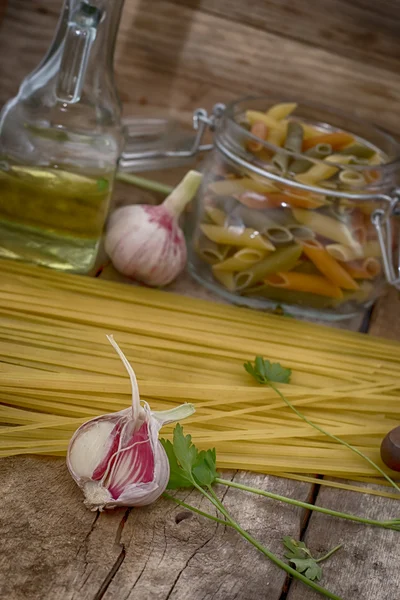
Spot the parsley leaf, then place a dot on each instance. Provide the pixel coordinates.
(300, 556)
(178, 478)
(102, 184)
(185, 451)
(265, 372)
(205, 470)
(187, 465)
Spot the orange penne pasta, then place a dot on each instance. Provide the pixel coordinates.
(260, 130)
(369, 268)
(337, 140)
(304, 282)
(328, 265)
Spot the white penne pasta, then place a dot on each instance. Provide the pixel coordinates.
(345, 253)
(241, 260)
(236, 236)
(326, 226)
(255, 116)
(353, 179)
(226, 278)
(321, 171)
(282, 110)
(216, 215)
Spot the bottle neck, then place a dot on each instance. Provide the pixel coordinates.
(87, 48)
(82, 51)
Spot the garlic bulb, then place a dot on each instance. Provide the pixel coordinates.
(117, 459)
(145, 242)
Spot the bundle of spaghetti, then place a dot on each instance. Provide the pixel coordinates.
(58, 370)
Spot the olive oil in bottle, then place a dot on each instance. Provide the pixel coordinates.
(52, 217)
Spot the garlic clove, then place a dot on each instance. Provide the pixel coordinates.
(145, 242)
(117, 459)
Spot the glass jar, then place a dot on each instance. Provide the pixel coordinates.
(287, 226)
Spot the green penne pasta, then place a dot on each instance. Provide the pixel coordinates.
(282, 259)
(294, 137)
(262, 222)
(358, 150)
(291, 297)
(293, 143)
(319, 151)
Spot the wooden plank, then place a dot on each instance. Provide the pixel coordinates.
(173, 56)
(364, 30)
(367, 565)
(53, 548)
(246, 60)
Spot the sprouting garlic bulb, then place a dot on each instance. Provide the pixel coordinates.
(117, 459)
(145, 242)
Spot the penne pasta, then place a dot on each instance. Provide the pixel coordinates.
(255, 116)
(216, 215)
(210, 251)
(358, 150)
(260, 130)
(262, 222)
(276, 136)
(282, 110)
(229, 187)
(353, 179)
(236, 236)
(226, 278)
(316, 173)
(283, 295)
(336, 139)
(258, 201)
(304, 282)
(328, 266)
(241, 260)
(367, 268)
(325, 226)
(282, 259)
(345, 253)
(300, 232)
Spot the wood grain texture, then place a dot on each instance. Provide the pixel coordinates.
(171, 57)
(364, 30)
(366, 567)
(53, 548)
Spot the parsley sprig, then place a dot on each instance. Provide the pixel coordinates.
(267, 373)
(191, 468)
(300, 556)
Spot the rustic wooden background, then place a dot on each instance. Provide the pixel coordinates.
(175, 55)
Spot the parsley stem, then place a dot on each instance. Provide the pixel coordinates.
(328, 554)
(333, 437)
(144, 184)
(306, 505)
(277, 561)
(195, 510)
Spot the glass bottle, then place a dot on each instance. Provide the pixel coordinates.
(60, 140)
